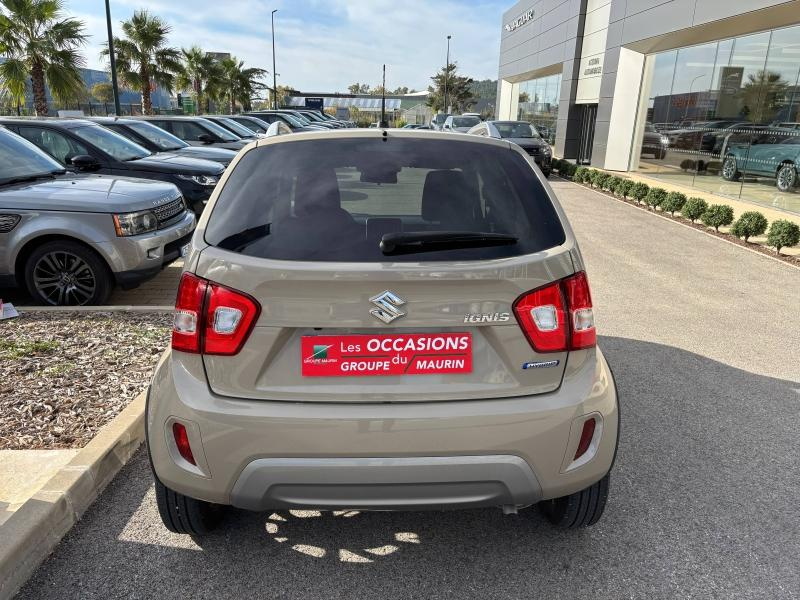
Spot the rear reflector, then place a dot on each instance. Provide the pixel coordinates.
(210, 318)
(559, 316)
(182, 442)
(586, 437)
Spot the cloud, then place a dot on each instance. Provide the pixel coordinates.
(327, 45)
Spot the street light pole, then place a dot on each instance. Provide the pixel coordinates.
(446, 73)
(274, 75)
(113, 61)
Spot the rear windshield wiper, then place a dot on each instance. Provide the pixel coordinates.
(239, 241)
(409, 242)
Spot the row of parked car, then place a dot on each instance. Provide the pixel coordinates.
(90, 204)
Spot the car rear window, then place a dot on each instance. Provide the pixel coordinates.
(334, 200)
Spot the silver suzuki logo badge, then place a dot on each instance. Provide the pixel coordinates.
(386, 306)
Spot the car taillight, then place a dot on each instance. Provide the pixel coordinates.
(558, 317)
(211, 318)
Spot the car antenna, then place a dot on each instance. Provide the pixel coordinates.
(384, 124)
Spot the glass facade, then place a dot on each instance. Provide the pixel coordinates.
(725, 117)
(538, 104)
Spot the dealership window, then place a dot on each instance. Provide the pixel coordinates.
(538, 104)
(724, 117)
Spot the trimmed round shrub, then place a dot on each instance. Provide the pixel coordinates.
(717, 215)
(655, 197)
(579, 176)
(673, 202)
(750, 223)
(611, 183)
(624, 187)
(639, 191)
(568, 169)
(687, 164)
(783, 234)
(694, 208)
(601, 179)
(591, 175)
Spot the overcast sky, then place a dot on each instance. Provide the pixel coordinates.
(325, 45)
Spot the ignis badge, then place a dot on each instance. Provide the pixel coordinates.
(487, 317)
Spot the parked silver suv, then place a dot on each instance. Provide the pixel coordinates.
(70, 238)
(382, 319)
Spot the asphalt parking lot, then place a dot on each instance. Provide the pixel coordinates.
(703, 339)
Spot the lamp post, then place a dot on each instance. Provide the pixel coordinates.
(113, 61)
(274, 75)
(689, 99)
(446, 73)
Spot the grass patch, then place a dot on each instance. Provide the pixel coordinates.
(12, 349)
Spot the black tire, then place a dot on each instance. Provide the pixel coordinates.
(730, 170)
(83, 278)
(786, 177)
(580, 509)
(182, 514)
(546, 173)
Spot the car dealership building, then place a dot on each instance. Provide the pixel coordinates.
(699, 92)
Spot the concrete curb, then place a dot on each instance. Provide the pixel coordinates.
(33, 531)
(655, 214)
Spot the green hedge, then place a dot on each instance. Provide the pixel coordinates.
(783, 234)
(655, 197)
(601, 179)
(717, 215)
(624, 187)
(750, 223)
(639, 191)
(673, 202)
(694, 209)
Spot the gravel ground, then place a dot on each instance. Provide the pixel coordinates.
(65, 375)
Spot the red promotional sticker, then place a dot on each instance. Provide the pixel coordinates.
(394, 354)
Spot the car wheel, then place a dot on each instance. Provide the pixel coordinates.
(182, 514)
(546, 173)
(786, 178)
(580, 509)
(730, 171)
(65, 273)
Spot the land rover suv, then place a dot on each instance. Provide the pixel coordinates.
(382, 319)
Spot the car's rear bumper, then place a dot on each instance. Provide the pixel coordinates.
(259, 454)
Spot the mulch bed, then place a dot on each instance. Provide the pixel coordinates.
(65, 375)
(792, 260)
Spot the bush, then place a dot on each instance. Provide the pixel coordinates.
(590, 176)
(749, 224)
(782, 234)
(694, 208)
(655, 197)
(673, 202)
(601, 179)
(639, 191)
(624, 187)
(579, 176)
(611, 183)
(717, 215)
(567, 168)
(687, 164)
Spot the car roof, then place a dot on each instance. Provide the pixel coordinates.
(62, 123)
(377, 132)
(170, 117)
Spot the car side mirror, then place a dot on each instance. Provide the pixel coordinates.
(206, 138)
(84, 162)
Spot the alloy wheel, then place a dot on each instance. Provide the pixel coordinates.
(729, 168)
(63, 278)
(786, 178)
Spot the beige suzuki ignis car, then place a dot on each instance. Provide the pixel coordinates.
(382, 320)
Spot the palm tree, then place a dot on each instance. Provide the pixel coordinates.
(143, 58)
(40, 45)
(238, 84)
(198, 72)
